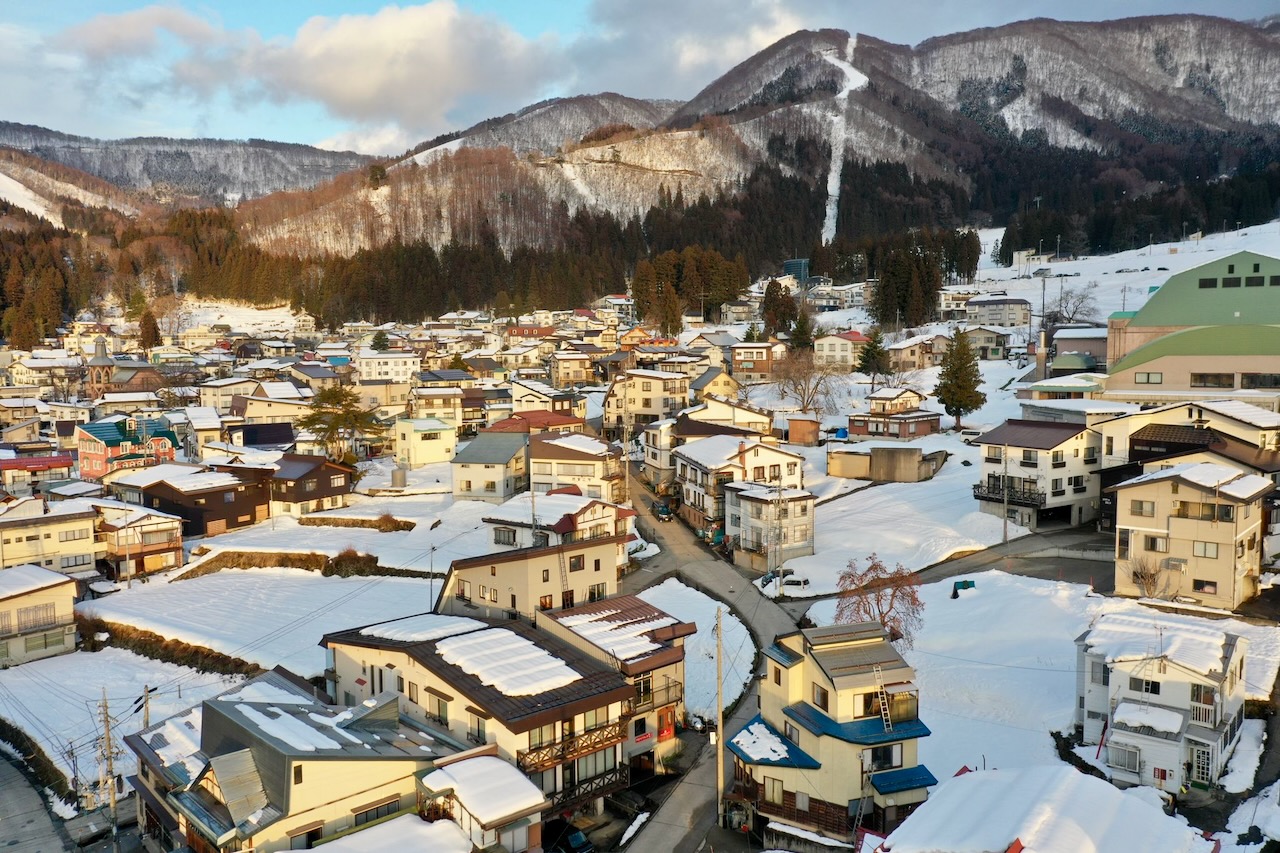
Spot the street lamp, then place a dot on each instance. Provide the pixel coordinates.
(1040, 250)
(1184, 232)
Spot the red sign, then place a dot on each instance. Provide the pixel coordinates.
(644, 737)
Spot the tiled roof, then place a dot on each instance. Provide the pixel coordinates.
(867, 732)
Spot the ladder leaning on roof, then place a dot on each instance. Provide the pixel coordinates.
(883, 697)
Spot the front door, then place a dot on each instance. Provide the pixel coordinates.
(1201, 764)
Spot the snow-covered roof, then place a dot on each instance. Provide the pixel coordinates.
(622, 637)
(489, 788)
(407, 832)
(203, 417)
(20, 580)
(1244, 412)
(1223, 479)
(1047, 808)
(507, 662)
(1089, 334)
(582, 444)
(421, 628)
(715, 450)
(1193, 643)
(549, 508)
(642, 373)
(201, 480)
(760, 743)
(1150, 716)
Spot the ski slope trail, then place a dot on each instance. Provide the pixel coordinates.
(853, 79)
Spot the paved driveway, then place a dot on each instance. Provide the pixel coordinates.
(25, 824)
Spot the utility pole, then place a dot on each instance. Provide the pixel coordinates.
(109, 753)
(719, 722)
(1004, 481)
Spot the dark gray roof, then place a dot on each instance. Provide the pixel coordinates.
(708, 376)
(1033, 435)
(492, 448)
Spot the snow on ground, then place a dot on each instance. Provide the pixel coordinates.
(1244, 761)
(268, 616)
(21, 196)
(690, 605)
(241, 318)
(916, 524)
(436, 478)
(633, 828)
(996, 667)
(55, 700)
(853, 79)
(1263, 811)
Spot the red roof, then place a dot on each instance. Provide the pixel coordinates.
(36, 463)
(855, 336)
(536, 419)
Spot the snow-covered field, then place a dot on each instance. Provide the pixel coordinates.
(689, 605)
(996, 667)
(55, 701)
(241, 318)
(268, 616)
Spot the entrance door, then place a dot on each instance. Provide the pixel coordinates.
(1201, 764)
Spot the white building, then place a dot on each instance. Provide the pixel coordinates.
(395, 366)
(704, 467)
(424, 441)
(768, 526)
(1165, 693)
(1042, 472)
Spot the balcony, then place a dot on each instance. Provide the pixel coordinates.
(606, 783)
(1016, 497)
(664, 695)
(32, 627)
(1202, 714)
(575, 746)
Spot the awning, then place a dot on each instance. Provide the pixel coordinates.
(167, 820)
(906, 687)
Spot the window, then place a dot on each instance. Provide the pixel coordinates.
(1156, 544)
(400, 684)
(73, 535)
(791, 469)
(757, 473)
(802, 801)
(438, 709)
(476, 731)
(791, 733)
(1206, 587)
(1202, 693)
(577, 563)
(77, 560)
(1122, 758)
(1148, 378)
(297, 774)
(777, 675)
(309, 485)
(493, 594)
(384, 810)
(337, 481)
(1208, 283)
(1122, 544)
(775, 472)
(1231, 281)
(413, 693)
(773, 791)
(1058, 460)
(1099, 673)
(1143, 508)
(490, 485)
(641, 726)
(590, 766)
(595, 592)
(880, 758)
(1029, 458)
(1208, 550)
(1142, 685)
(820, 697)
(464, 590)
(504, 536)
(1213, 380)
(545, 602)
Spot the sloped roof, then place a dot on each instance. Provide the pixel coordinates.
(1033, 435)
(492, 448)
(1242, 340)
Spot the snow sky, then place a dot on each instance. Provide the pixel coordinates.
(380, 78)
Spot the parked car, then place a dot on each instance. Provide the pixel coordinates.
(662, 511)
(560, 836)
(970, 436)
(796, 583)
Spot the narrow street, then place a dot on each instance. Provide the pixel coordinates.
(25, 824)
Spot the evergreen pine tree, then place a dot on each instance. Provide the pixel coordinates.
(959, 379)
(874, 358)
(148, 331)
(802, 331)
(380, 342)
(752, 336)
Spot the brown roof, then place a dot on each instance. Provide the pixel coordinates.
(1033, 435)
(1173, 434)
(624, 609)
(536, 419)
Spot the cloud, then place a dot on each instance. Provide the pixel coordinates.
(380, 139)
(136, 33)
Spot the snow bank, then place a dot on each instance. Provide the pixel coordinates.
(640, 821)
(1244, 761)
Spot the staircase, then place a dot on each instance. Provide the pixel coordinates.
(883, 697)
(564, 574)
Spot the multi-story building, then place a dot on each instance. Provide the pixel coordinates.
(37, 614)
(834, 747)
(397, 366)
(723, 411)
(558, 713)
(529, 394)
(997, 309)
(1193, 531)
(1041, 473)
(492, 467)
(119, 442)
(424, 441)
(138, 540)
(591, 465)
(917, 352)
(951, 304)
(219, 393)
(767, 526)
(894, 413)
(302, 483)
(570, 369)
(703, 467)
(1164, 693)
(639, 397)
(754, 362)
(58, 536)
(840, 351)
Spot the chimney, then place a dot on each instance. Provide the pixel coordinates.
(1042, 356)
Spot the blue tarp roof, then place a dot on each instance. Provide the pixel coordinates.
(868, 731)
(795, 757)
(904, 779)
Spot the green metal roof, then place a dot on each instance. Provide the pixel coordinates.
(1181, 301)
(1078, 361)
(1248, 340)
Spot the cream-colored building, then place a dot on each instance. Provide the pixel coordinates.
(834, 746)
(570, 369)
(37, 610)
(262, 410)
(395, 366)
(639, 397)
(59, 536)
(218, 393)
(442, 403)
(592, 466)
(732, 413)
(766, 526)
(424, 441)
(561, 715)
(1191, 531)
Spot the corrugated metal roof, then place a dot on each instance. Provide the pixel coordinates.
(241, 786)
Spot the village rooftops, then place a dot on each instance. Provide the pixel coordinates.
(717, 451)
(573, 445)
(491, 790)
(523, 677)
(1223, 480)
(1194, 644)
(551, 508)
(1033, 435)
(492, 448)
(637, 634)
(535, 419)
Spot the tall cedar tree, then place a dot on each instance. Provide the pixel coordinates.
(337, 418)
(752, 334)
(874, 358)
(802, 331)
(881, 594)
(777, 309)
(959, 379)
(380, 342)
(148, 331)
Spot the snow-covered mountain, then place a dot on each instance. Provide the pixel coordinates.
(169, 169)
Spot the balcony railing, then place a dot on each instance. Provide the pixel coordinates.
(1017, 497)
(664, 695)
(590, 789)
(1202, 714)
(575, 746)
(8, 630)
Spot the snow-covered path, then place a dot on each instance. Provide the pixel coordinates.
(853, 79)
(588, 195)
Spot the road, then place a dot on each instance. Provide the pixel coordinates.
(25, 824)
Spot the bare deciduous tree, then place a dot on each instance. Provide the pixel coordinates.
(1077, 304)
(803, 379)
(1148, 578)
(881, 594)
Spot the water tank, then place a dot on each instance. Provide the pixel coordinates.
(399, 477)
(842, 434)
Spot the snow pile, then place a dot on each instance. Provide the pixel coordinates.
(287, 729)
(640, 821)
(59, 806)
(1137, 716)
(761, 744)
(1047, 809)
(689, 605)
(1244, 761)
(421, 628)
(267, 616)
(813, 837)
(1263, 811)
(625, 640)
(507, 662)
(487, 787)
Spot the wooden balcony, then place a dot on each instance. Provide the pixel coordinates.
(1017, 497)
(658, 698)
(576, 746)
(606, 783)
